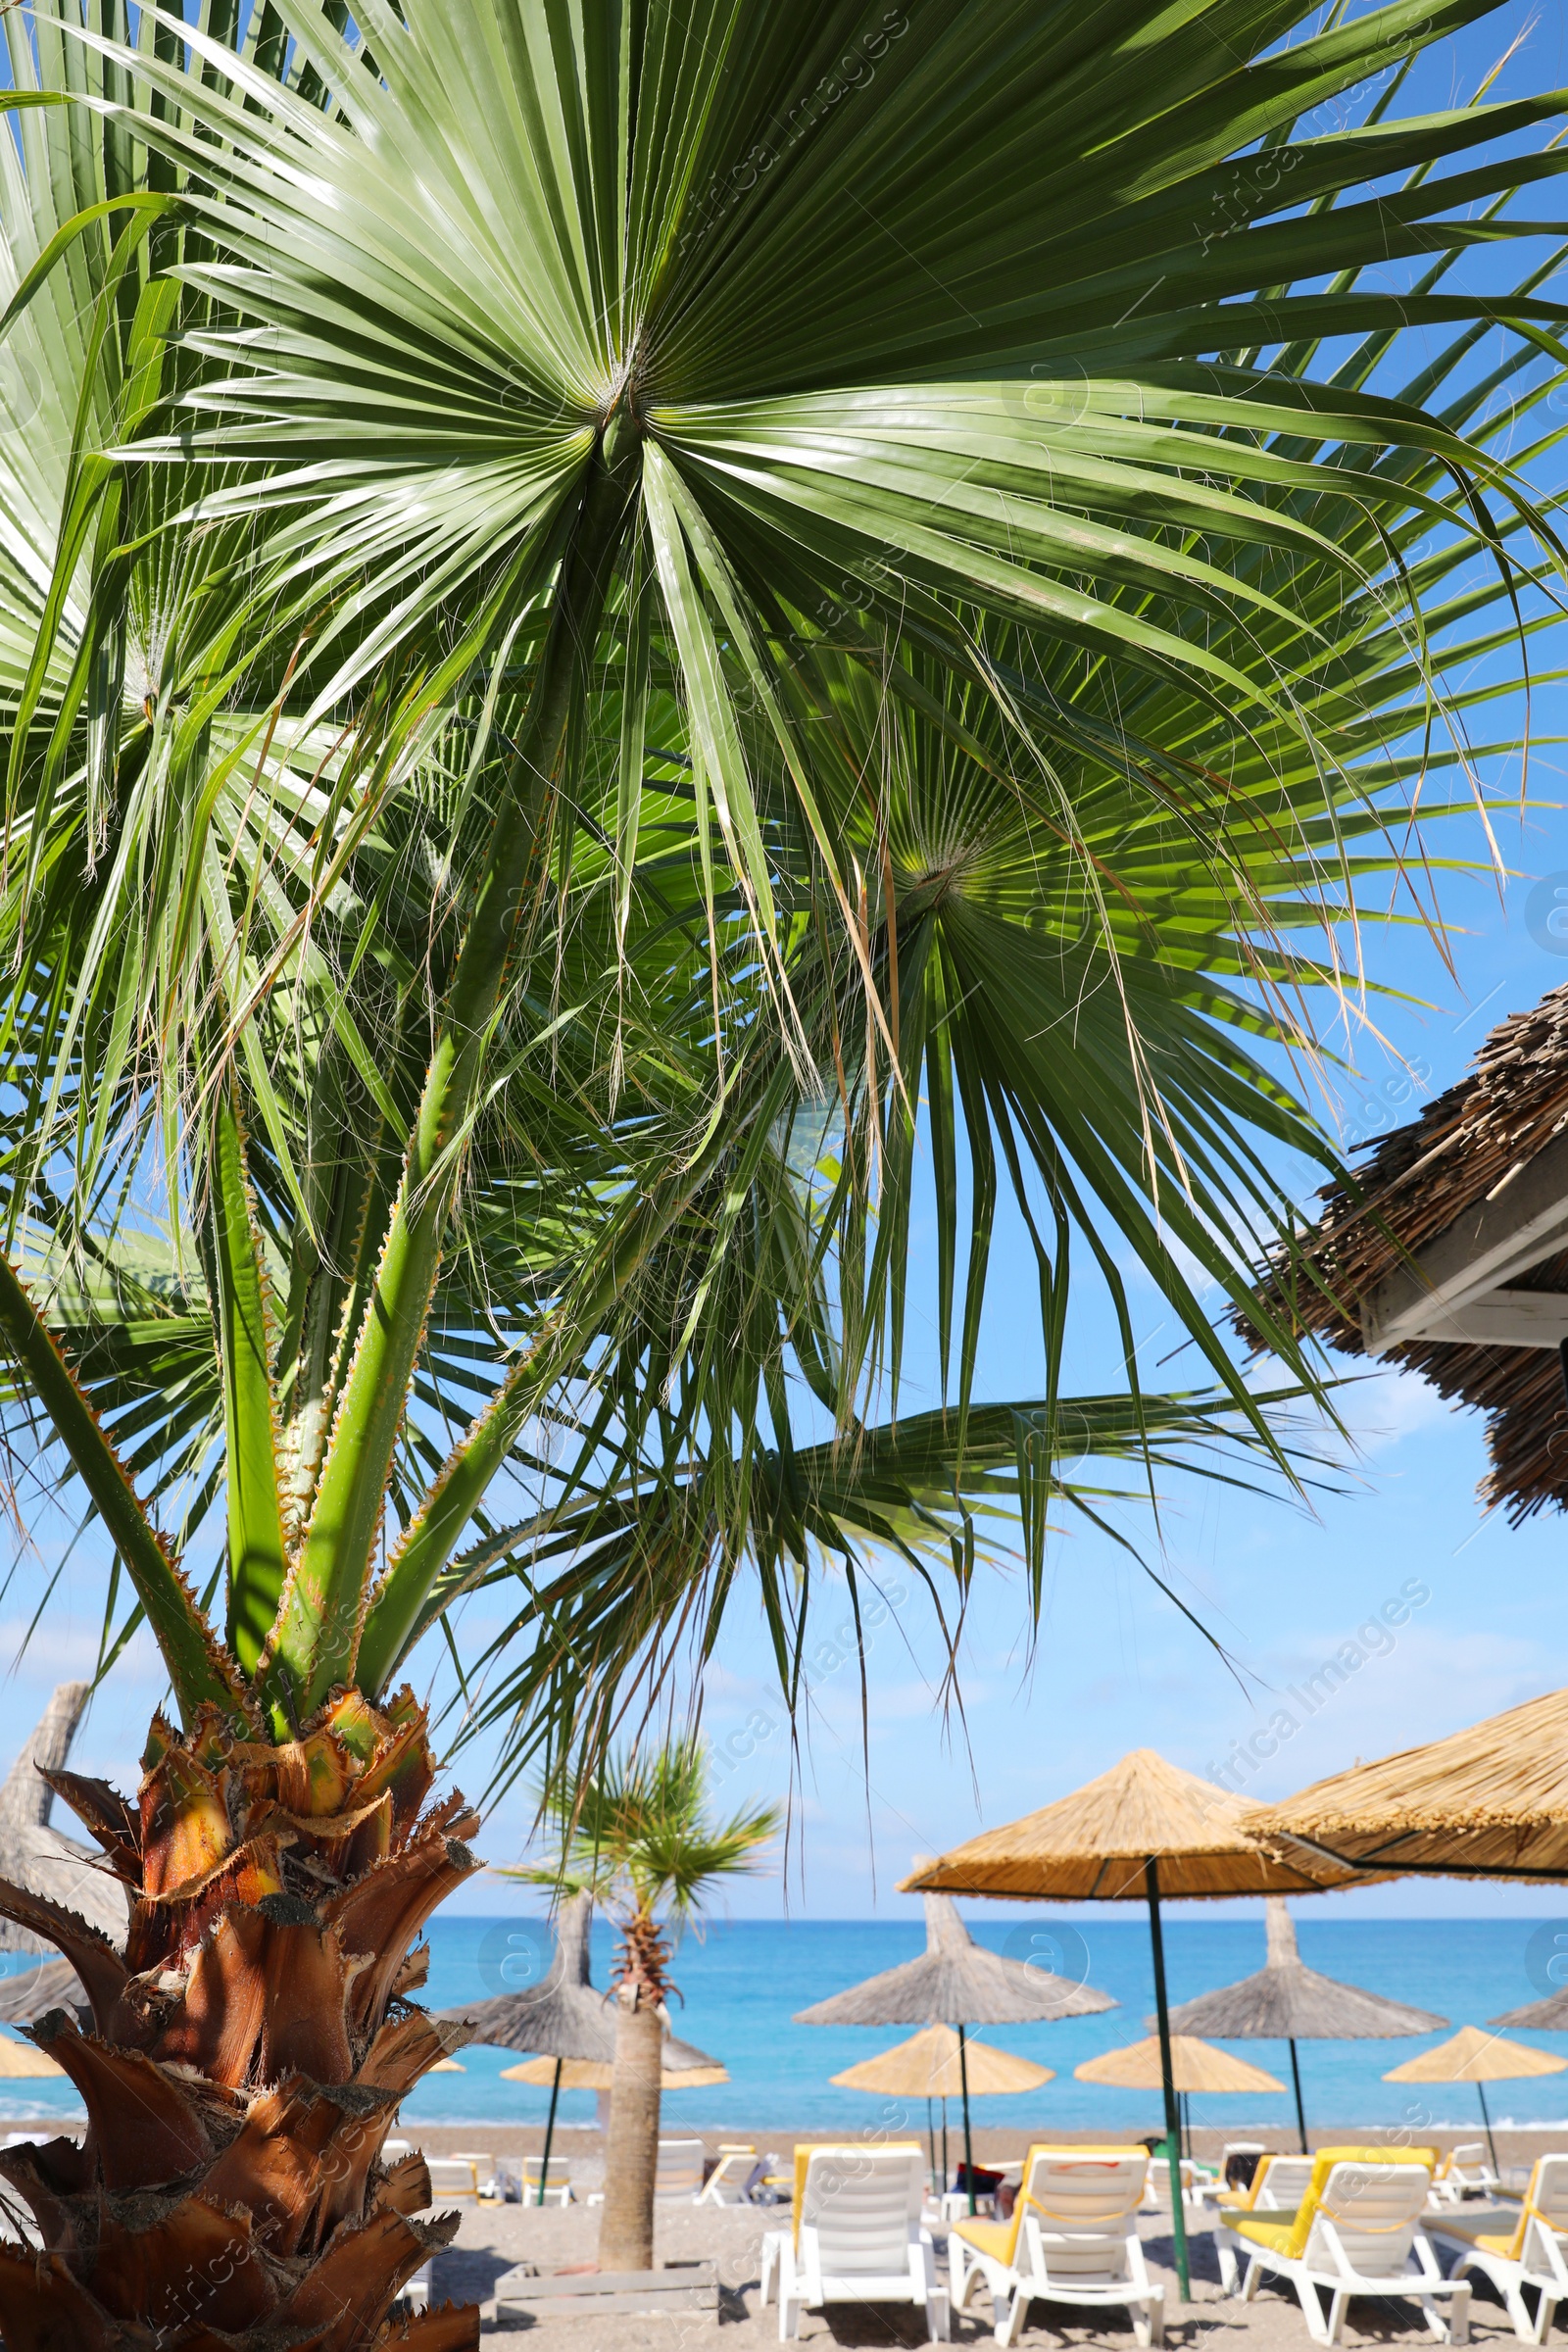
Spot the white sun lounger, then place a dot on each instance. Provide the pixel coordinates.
(1194, 2187)
(466, 2174)
(1464, 2172)
(536, 2191)
(1516, 2254)
(732, 2180)
(857, 2236)
(1357, 2233)
(1072, 2238)
(679, 2179)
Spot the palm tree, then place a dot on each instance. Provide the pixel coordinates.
(585, 623)
(641, 1838)
(619, 1584)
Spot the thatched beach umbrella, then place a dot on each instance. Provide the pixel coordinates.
(1141, 1833)
(588, 2073)
(564, 2016)
(21, 2062)
(936, 2064)
(1288, 2001)
(955, 1982)
(1194, 2066)
(1489, 1803)
(940, 2065)
(35, 1855)
(1473, 2056)
(54, 1984)
(1549, 2016)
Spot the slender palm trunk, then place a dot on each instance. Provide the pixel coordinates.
(631, 2156)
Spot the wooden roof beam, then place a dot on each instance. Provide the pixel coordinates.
(1455, 1289)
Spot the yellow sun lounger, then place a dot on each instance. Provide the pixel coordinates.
(1279, 2186)
(1072, 2238)
(1357, 2232)
(1525, 2253)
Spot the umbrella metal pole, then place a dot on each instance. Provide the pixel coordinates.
(946, 2176)
(1486, 2118)
(550, 2132)
(968, 2150)
(1178, 2219)
(931, 2137)
(1301, 2112)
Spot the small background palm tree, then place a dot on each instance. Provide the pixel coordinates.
(642, 1840)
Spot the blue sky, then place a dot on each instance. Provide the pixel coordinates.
(1116, 1666)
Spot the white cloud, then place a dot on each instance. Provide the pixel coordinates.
(61, 1650)
(1433, 1681)
(1390, 1405)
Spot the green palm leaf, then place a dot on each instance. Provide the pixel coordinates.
(609, 596)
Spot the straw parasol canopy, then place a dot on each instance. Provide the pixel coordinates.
(1489, 1803)
(955, 1982)
(1142, 1830)
(1474, 1181)
(20, 2061)
(931, 2066)
(1288, 2001)
(1549, 2016)
(1474, 2056)
(37, 1856)
(1097, 1844)
(1093, 1846)
(33, 1992)
(564, 2016)
(1194, 2066)
(582, 2074)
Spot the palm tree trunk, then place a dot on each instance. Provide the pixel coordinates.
(631, 2157)
(248, 2050)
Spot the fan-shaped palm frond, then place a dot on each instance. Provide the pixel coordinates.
(613, 628)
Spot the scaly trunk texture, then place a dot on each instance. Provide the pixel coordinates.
(631, 2151)
(248, 2051)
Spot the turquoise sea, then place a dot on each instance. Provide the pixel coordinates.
(742, 1982)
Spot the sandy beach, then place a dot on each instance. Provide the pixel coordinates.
(493, 2238)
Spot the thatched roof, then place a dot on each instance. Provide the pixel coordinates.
(927, 2066)
(586, 2074)
(35, 1855)
(1474, 2056)
(564, 2016)
(1549, 2016)
(1489, 1803)
(1194, 2065)
(955, 1982)
(1288, 2001)
(33, 1992)
(1093, 1845)
(21, 2062)
(1464, 1150)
